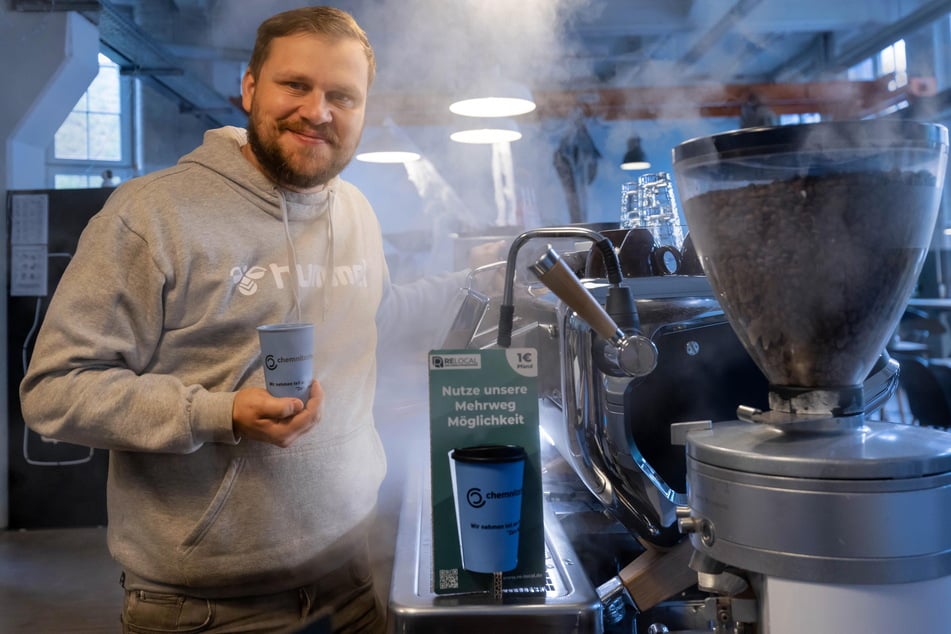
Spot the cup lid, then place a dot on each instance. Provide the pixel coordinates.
(488, 453)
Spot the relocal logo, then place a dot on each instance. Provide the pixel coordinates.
(455, 362)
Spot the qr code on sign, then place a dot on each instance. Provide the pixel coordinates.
(449, 579)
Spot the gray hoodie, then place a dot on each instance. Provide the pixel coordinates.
(152, 330)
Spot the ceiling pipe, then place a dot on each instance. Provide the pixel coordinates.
(723, 26)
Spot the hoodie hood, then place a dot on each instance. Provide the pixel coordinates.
(221, 153)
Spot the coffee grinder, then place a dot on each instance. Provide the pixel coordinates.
(812, 237)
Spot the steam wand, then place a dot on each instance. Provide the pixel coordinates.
(507, 310)
(636, 355)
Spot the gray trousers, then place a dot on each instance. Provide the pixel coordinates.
(342, 602)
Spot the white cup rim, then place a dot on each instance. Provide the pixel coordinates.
(284, 326)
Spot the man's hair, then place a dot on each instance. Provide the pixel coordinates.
(327, 21)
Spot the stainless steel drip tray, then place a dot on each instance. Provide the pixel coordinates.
(568, 604)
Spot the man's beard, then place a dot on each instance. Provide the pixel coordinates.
(274, 163)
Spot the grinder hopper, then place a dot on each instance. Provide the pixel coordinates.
(812, 237)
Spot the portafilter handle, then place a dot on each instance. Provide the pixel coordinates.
(637, 355)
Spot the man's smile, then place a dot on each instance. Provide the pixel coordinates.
(311, 136)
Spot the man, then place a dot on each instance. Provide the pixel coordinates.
(229, 509)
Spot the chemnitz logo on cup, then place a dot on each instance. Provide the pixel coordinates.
(474, 498)
(455, 362)
(271, 361)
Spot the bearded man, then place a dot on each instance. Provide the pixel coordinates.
(230, 509)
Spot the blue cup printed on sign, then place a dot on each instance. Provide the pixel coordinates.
(487, 491)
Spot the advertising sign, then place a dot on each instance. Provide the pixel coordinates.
(486, 470)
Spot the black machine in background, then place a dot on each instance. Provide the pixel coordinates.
(52, 484)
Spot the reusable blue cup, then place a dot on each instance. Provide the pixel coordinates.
(288, 354)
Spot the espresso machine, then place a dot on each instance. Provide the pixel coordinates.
(803, 515)
(723, 421)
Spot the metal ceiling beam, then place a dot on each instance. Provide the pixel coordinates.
(833, 99)
(819, 59)
(146, 58)
(887, 36)
(140, 55)
(712, 37)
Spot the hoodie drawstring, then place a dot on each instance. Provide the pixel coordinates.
(328, 287)
(292, 257)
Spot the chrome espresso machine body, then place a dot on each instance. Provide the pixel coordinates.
(804, 515)
(622, 430)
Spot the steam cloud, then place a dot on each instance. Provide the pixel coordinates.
(428, 41)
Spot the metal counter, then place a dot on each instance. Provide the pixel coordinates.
(569, 604)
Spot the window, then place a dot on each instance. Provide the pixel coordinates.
(805, 117)
(892, 60)
(94, 142)
(863, 71)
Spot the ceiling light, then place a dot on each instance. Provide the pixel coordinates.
(388, 157)
(634, 158)
(495, 130)
(387, 144)
(498, 98)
